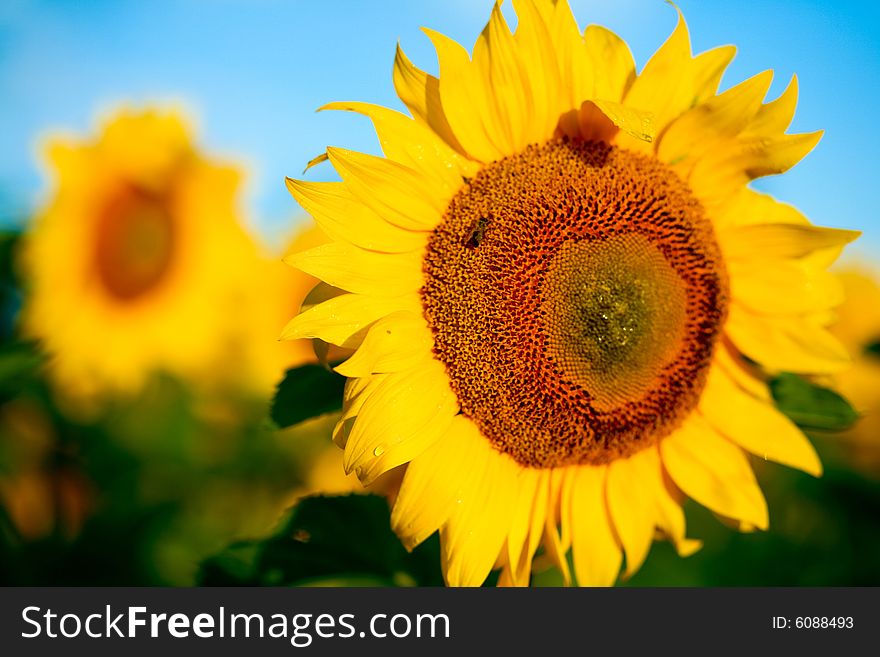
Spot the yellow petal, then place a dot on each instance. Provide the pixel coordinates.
(344, 218)
(474, 535)
(632, 504)
(612, 65)
(388, 456)
(748, 206)
(756, 426)
(784, 343)
(665, 85)
(709, 68)
(539, 72)
(498, 58)
(341, 319)
(783, 287)
(414, 145)
(576, 75)
(420, 93)
(775, 117)
(714, 472)
(395, 342)
(527, 523)
(315, 161)
(364, 272)
(395, 192)
(747, 376)
(354, 395)
(432, 484)
(766, 156)
(405, 413)
(779, 241)
(699, 130)
(556, 548)
(670, 515)
(464, 97)
(595, 549)
(637, 124)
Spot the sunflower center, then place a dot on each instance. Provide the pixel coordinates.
(135, 240)
(575, 292)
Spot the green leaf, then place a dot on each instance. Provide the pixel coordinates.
(811, 406)
(306, 392)
(328, 541)
(873, 348)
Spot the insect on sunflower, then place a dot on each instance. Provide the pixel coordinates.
(561, 293)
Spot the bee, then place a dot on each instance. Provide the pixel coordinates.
(478, 231)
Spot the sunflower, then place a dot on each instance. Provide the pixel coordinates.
(274, 291)
(132, 265)
(564, 296)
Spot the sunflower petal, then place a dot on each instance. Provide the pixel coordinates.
(344, 218)
(699, 130)
(527, 522)
(539, 71)
(497, 59)
(783, 287)
(670, 515)
(755, 425)
(420, 93)
(413, 145)
(709, 68)
(632, 504)
(395, 342)
(474, 535)
(395, 192)
(596, 552)
(714, 472)
(633, 122)
(464, 100)
(665, 85)
(341, 320)
(363, 272)
(775, 117)
(576, 75)
(554, 545)
(410, 408)
(432, 485)
(748, 377)
(783, 343)
(780, 241)
(612, 66)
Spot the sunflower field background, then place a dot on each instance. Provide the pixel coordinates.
(155, 431)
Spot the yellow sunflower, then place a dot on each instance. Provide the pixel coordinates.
(274, 292)
(561, 290)
(133, 263)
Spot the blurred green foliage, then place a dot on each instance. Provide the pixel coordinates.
(306, 392)
(810, 405)
(323, 541)
(140, 491)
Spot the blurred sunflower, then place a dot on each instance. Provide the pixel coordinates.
(132, 265)
(553, 277)
(275, 291)
(858, 328)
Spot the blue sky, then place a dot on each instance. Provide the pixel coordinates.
(252, 72)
